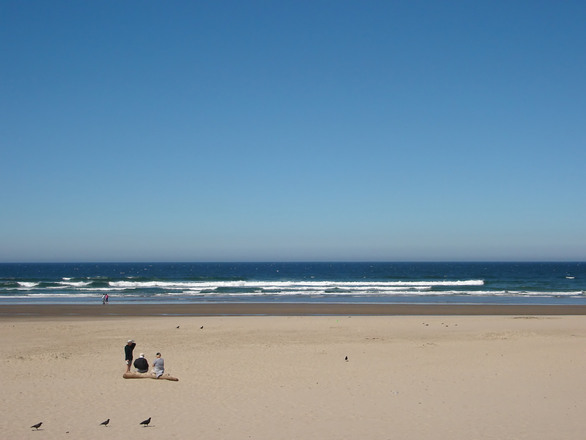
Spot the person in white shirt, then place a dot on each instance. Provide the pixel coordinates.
(158, 366)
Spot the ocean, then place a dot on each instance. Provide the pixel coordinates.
(439, 283)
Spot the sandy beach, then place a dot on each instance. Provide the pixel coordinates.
(452, 374)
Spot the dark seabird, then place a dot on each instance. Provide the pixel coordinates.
(105, 422)
(145, 422)
(201, 328)
(346, 358)
(37, 426)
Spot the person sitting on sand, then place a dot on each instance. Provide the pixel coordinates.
(158, 366)
(141, 364)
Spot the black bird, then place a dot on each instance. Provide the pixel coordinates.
(177, 326)
(346, 358)
(201, 328)
(37, 426)
(145, 422)
(105, 422)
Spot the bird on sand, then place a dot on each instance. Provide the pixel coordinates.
(105, 422)
(37, 426)
(145, 422)
(346, 358)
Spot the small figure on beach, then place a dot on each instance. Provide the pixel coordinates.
(128, 348)
(105, 298)
(158, 366)
(141, 364)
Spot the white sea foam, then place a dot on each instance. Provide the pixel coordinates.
(76, 283)
(260, 289)
(58, 295)
(289, 284)
(150, 284)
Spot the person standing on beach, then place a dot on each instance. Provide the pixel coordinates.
(158, 366)
(128, 348)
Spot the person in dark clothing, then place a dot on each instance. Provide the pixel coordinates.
(128, 348)
(141, 364)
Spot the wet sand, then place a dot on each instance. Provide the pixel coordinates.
(288, 309)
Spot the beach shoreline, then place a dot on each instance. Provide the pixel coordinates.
(283, 309)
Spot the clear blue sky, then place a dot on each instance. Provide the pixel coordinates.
(292, 130)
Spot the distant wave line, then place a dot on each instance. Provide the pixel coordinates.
(293, 293)
(289, 284)
(227, 284)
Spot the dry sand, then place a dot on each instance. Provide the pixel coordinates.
(286, 377)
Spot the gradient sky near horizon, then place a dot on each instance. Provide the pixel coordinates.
(292, 130)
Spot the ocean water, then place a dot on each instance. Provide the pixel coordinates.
(466, 283)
